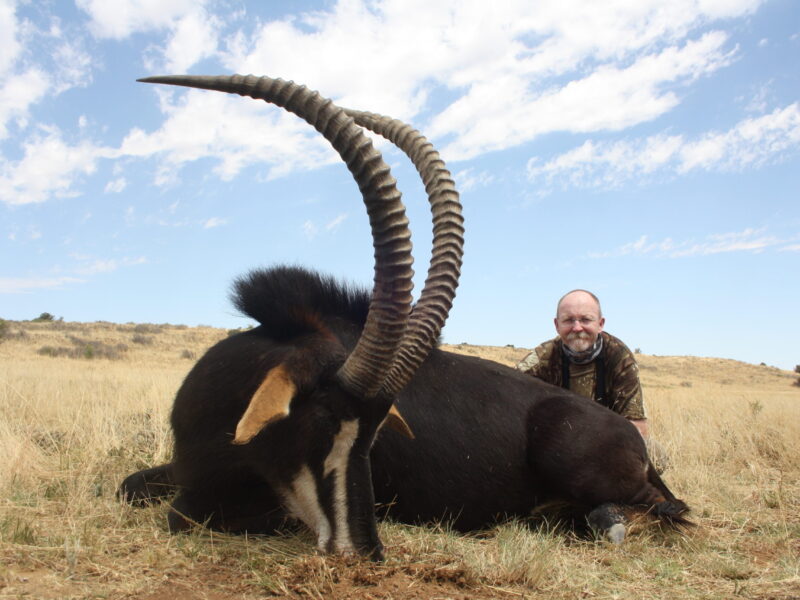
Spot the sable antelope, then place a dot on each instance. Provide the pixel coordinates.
(339, 398)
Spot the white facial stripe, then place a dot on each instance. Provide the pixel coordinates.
(336, 462)
(302, 502)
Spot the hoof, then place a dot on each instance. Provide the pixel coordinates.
(608, 521)
(616, 533)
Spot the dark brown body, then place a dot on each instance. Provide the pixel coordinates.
(490, 442)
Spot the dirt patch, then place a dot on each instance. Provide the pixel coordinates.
(34, 584)
(322, 577)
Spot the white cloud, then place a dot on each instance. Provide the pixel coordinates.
(49, 167)
(335, 223)
(192, 32)
(36, 62)
(11, 285)
(510, 75)
(86, 266)
(749, 240)
(509, 70)
(73, 64)
(115, 186)
(467, 180)
(11, 47)
(235, 132)
(107, 265)
(17, 94)
(97, 266)
(369, 62)
(214, 222)
(760, 99)
(751, 143)
(121, 18)
(503, 112)
(193, 38)
(310, 230)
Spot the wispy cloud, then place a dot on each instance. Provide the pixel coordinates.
(334, 224)
(11, 285)
(95, 266)
(115, 186)
(749, 240)
(468, 180)
(751, 143)
(310, 230)
(214, 222)
(36, 62)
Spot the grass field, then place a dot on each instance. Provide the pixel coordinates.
(83, 405)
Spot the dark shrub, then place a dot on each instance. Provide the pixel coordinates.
(85, 349)
(147, 328)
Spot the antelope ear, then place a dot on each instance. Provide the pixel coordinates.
(270, 403)
(395, 420)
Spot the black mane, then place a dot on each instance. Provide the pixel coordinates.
(287, 300)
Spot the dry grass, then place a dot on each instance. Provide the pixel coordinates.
(72, 428)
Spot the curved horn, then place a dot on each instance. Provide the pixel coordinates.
(365, 368)
(430, 312)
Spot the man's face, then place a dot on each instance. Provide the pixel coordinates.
(578, 321)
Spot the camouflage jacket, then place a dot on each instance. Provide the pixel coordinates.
(622, 393)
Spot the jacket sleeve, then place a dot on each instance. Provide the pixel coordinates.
(538, 363)
(625, 388)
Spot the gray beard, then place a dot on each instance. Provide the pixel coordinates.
(586, 356)
(579, 342)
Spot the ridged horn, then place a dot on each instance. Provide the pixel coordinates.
(367, 365)
(430, 312)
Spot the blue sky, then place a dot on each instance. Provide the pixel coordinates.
(647, 151)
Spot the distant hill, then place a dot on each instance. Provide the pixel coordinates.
(165, 343)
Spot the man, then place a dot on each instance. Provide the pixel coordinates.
(589, 361)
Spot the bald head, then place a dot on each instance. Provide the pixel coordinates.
(580, 296)
(579, 319)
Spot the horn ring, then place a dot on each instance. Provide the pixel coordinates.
(430, 312)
